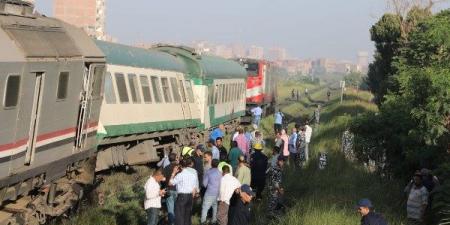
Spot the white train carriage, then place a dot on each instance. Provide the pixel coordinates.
(149, 105)
(219, 85)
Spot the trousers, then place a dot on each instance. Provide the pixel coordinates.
(208, 202)
(183, 209)
(170, 203)
(152, 216)
(222, 213)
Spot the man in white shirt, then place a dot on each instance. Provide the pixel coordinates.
(308, 134)
(256, 112)
(186, 183)
(228, 186)
(153, 194)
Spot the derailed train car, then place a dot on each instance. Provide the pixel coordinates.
(149, 106)
(51, 76)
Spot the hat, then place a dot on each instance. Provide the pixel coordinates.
(248, 190)
(187, 151)
(257, 146)
(364, 203)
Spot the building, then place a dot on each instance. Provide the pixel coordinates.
(363, 59)
(238, 51)
(223, 51)
(277, 54)
(255, 52)
(87, 14)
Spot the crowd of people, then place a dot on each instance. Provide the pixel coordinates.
(220, 184)
(223, 182)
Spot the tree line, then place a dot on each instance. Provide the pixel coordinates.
(410, 81)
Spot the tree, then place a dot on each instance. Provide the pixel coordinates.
(386, 35)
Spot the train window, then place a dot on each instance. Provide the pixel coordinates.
(216, 94)
(110, 95)
(145, 89)
(182, 90)
(224, 93)
(156, 89)
(252, 69)
(12, 91)
(122, 88)
(175, 89)
(210, 95)
(189, 91)
(166, 89)
(97, 83)
(63, 83)
(135, 95)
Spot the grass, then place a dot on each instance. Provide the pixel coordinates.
(314, 197)
(328, 197)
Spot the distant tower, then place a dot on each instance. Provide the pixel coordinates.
(363, 59)
(87, 14)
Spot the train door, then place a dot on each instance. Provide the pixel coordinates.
(91, 89)
(34, 123)
(185, 98)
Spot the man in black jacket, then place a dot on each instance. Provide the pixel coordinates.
(258, 167)
(368, 216)
(240, 211)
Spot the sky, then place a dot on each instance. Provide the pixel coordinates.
(306, 28)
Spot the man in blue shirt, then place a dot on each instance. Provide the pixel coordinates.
(216, 133)
(368, 216)
(211, 181)
(278, 121)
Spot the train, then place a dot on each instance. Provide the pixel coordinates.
(73, 106)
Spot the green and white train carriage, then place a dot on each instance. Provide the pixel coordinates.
(219, 85)
(148, 105)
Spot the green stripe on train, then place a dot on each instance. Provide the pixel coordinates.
(216, 121)
(127, 129)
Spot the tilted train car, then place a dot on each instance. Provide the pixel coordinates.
(51, 76)
(149, 105)
(261, 86)
(219, 85)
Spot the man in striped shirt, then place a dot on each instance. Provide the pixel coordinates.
(153, 194)
(417, 200)
(186, 183)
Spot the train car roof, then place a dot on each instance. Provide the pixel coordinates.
(205, 66)
(25, 35)
(118, 54)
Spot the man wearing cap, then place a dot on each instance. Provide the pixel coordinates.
(368, 217)
(240, 206)
(228, 185)
(258, 165)
(417, 200)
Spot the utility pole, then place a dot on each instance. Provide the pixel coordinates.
(342, 84)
